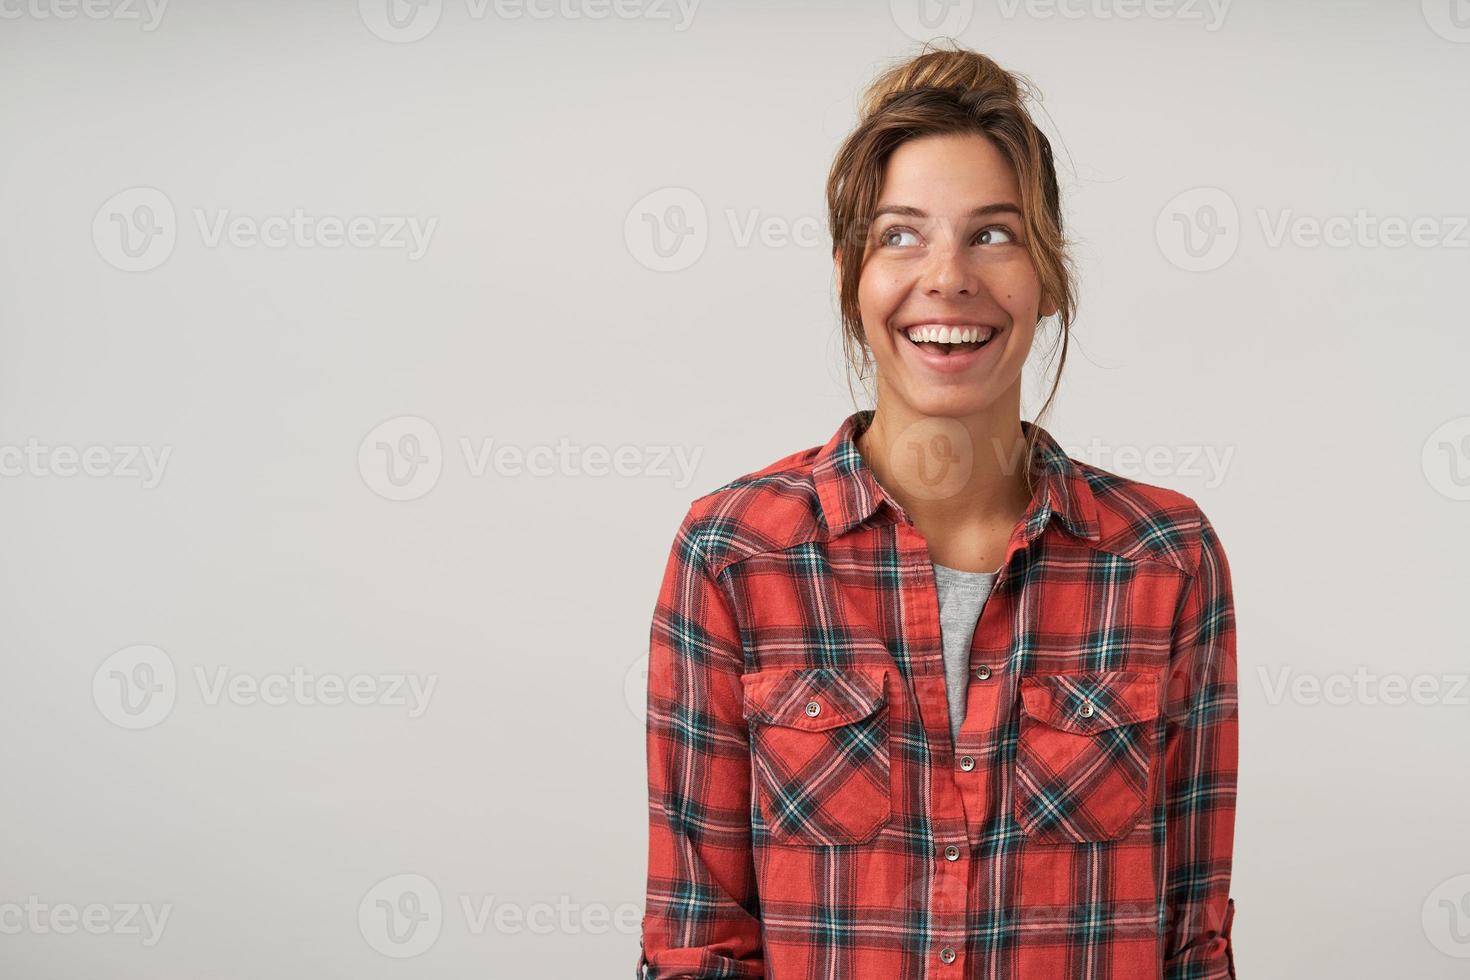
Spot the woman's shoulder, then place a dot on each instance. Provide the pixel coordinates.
(768, 509)
(1141, 518)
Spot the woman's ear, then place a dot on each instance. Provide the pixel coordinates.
(1047, 308)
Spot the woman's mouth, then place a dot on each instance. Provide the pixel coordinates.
(935, 338)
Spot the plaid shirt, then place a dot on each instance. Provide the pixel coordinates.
(810, 816)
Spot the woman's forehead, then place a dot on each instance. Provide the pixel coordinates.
(949, 174)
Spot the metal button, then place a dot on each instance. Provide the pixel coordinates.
(947, 954)
(967, 762)
(813, 709)
(951, 853)
(1086, 709)
(982, 673)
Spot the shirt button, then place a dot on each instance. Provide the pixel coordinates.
(982, 673)
(1086, 709)
(813, 709)
(967, 762)
(947, 954)
(951, 853)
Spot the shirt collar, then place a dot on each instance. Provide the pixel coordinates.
(849, 492)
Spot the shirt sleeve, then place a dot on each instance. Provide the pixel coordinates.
(702, 917)
(1200, 771)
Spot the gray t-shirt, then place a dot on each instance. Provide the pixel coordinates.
(962, 597)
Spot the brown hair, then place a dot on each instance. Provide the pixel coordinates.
(945, 91)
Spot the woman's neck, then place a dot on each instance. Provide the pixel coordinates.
(961, 479)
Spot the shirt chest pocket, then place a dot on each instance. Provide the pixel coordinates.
(820, 752)
(1085, 754)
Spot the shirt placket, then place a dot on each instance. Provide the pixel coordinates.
(952, 845)
(963, 771)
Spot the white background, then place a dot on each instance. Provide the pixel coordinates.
(541, 313)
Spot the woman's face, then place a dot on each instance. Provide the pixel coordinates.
(946, 252)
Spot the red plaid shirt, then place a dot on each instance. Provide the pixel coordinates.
(810, 816)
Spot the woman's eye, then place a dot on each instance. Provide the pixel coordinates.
(900, 236)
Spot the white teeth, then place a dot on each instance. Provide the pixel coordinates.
(949, 335)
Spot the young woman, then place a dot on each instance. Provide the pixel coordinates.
(934, 699)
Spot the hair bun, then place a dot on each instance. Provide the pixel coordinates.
(944, 68)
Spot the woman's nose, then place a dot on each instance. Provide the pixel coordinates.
(949, 271)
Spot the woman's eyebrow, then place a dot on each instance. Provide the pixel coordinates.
(1000, 207)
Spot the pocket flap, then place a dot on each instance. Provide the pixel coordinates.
(814, 698)
(1088, 703)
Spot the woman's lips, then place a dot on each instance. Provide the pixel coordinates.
(932, 358)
